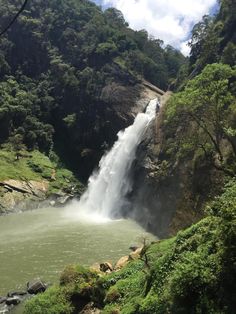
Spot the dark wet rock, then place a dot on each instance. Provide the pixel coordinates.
(13, 300)
(61, 198)
(106, 267)
(133, 247)
(36, 287)
(3, 300)
(4, 309)
(16, 293)
(64, 199)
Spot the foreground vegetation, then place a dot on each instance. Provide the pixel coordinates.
(193, 272)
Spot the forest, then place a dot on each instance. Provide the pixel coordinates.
(54, 63)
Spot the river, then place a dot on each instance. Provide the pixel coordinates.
(39, 243)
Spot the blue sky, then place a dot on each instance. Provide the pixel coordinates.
(169, 20)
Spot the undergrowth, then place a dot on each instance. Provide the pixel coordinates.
(193, 272)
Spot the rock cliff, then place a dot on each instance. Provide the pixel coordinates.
(118, 105)
(168, 194)
(20, 195)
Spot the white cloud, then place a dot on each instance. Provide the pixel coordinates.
(169, 20)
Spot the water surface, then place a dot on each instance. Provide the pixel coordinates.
(39, 243)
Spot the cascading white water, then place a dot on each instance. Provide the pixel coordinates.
(108, 186)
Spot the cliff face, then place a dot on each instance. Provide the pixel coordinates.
(168, 194)
(118, 105)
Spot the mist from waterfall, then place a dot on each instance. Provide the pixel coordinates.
(110, 184)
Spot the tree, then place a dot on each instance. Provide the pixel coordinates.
(14, 18)
(208, 103)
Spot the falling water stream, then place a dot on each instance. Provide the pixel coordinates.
(108, 187)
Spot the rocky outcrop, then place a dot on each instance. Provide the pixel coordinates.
(129, 100)
(12, 299)
(121, 262)
(36, 287)
(21, 195)
(106, 267)
(168, 193)
(118, 104)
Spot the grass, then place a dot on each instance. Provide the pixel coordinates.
(36, 166)
(10, 168)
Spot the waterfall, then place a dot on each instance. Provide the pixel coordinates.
(110, 184)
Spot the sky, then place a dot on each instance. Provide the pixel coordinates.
(168, 20)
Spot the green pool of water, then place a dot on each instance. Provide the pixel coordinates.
(39, 243)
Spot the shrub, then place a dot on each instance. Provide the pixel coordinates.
(53, 301)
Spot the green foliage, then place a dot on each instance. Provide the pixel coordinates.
(205, 113)
(112, 295)
(225, 205)
(11, 168)
(70, 120)
(20, 116)
(213, 38)
(36, 166)
(52, 302)
(77, 274)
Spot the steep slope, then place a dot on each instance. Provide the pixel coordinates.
(70, 75)
(188, 154)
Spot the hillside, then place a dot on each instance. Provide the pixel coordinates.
(69, 78)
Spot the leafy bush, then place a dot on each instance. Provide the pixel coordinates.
(51, 302)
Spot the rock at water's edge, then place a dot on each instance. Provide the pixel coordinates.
(13, 300)
(36, 287)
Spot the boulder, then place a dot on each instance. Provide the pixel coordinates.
(136, 254)
(133, 247)
(64, 199)
(13, 300)
(4, 309)
(36, 287)
(37, 188)
(106, 267)
(121, 262)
